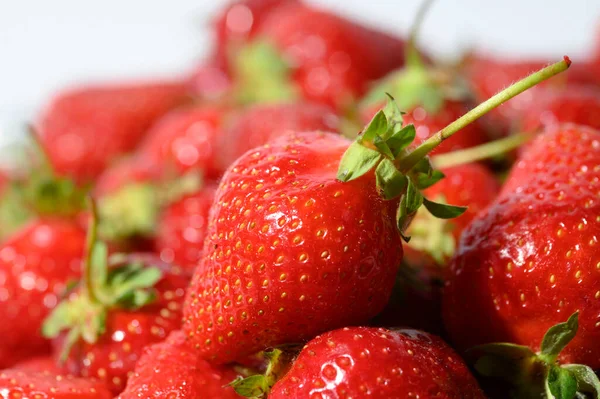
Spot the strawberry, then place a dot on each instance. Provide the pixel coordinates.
(171, 369)
(83, 130)
(577, 104)
(185, 139)
(517, 262)
(182, 228)
(488, 75)
(40, 364)
(304, 52)
(260, 124)
(239, 22)
(36, 263)
(124, 304)
(409, 364)
(276, 247)
(26, 385)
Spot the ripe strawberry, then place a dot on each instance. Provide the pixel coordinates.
(304, 52)
(239, 22)
(39, 364)
(184, 140)
(260, 124)
(170, 369)
(277, 240)
(408, 364)
(26, 385)
(115, 314)
(488, 75)
(577, 104)
(518, 261)
(84, 130)
(36, 264)
(182, 228)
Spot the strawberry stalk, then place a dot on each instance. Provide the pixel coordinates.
(480, 152)
(431, 143)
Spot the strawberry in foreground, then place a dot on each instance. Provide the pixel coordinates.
(30, 385)
(171, 369)
(539, 374)
(36, 264)
(518, 262)
(84, 130)
(301, 52)
(299, 243)
(361, 362)
(123, 304)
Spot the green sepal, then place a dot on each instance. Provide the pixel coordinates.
(259, 386)
(409, 204)
(587, 380)
(401, 139)
(390, 182)
(357, 161)
(262, 75)
(426, 180)
(375, 128)
(557, 337)
(443, 211)
(560, 383)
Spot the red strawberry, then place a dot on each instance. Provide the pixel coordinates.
(36, 264)
(84, 130)
(363, 362)
(305, 52)
(239, 22)
(278, 239)
(518, 262)
(182, 229)
(185, 140)
(210, 82)
(172, 370)
(260, 124)
(30, 385)
(577, 104)
(116, 313)
(40, 364)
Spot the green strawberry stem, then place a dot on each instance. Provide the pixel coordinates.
(413, 58)
(409, 161)
(539, 374)
(92, 236)
(480, 152)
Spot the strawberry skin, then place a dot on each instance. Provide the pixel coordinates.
(170, 369)
(578, 104)
(333, 59)
(281, 234)
(39, 364)
(36, 263)
(113, 357)
(31, 385)
(182, 229)
(185, 139)
(84, 130)
(518, 262)
(408, 364)
(259, 124)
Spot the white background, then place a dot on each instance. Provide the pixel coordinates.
(47, 44)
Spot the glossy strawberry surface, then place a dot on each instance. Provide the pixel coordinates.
(172, 370)
(290, 250)
(532, 257)
(36, 264)
(361, 362)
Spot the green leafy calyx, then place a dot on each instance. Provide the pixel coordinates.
(540, 374)
(82, 315)
(259, 386)
(381, 146)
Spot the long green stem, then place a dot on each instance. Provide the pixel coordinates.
(477, 153)
(428, 145)
(91, 241)
(413, 58)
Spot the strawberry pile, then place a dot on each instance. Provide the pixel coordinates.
(320, 210)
